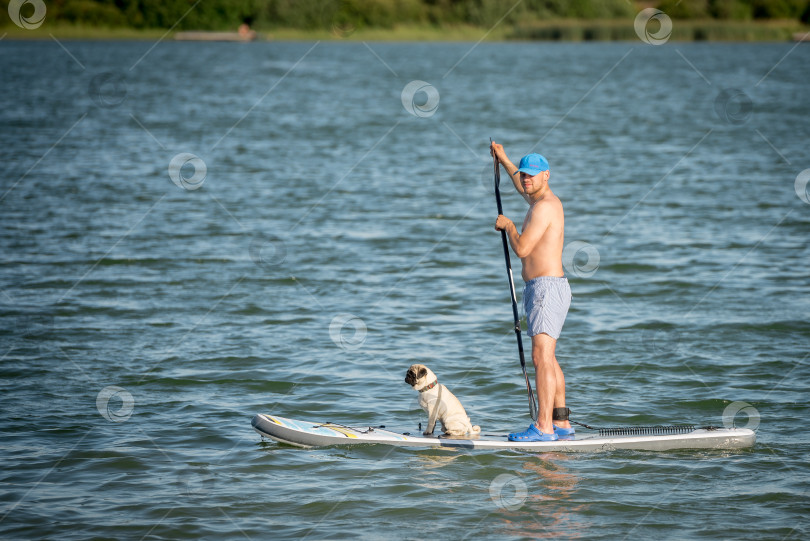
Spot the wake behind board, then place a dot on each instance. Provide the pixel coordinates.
(314, 434)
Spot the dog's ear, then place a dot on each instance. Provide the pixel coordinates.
(422, 372)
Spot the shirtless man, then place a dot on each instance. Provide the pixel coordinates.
(547, 295)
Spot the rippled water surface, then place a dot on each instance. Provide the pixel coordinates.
(335, 225)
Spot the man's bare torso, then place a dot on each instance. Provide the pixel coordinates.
(546, 257)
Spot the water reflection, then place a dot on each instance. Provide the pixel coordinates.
(546, 510)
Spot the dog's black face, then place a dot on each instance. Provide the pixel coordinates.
(414, 374)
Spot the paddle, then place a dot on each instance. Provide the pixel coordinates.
(532, 400)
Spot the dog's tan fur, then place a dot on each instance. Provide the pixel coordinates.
(449, 411)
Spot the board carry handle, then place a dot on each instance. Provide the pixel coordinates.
(646, 430)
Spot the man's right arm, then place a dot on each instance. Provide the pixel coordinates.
(511, 169)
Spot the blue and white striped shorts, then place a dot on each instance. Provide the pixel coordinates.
(546, 300)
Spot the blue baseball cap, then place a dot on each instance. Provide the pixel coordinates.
(532, 164)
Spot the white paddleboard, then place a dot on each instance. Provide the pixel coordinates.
(316, 434)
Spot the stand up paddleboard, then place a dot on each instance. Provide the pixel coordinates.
(315, 434)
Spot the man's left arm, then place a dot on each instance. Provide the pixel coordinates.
(524, 243)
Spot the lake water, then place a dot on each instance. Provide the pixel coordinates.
(194, 233)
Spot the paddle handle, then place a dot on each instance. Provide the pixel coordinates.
(516, 316)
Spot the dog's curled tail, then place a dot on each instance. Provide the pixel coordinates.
(476, 429)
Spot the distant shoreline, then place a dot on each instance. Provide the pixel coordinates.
(564, 30)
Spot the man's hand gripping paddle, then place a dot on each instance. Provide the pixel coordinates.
(532, 400)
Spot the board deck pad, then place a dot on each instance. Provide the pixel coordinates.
(320, 434)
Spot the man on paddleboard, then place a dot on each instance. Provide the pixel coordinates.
(546, 295)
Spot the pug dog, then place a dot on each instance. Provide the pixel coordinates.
(439, 403)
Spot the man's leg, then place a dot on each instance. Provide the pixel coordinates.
(545, 370)
(559, 395)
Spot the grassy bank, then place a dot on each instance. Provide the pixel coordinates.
(74, 32)
(559, 30)
(336, 33)
(397, 33)
(682, 30)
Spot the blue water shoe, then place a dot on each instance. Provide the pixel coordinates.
(563, 431)
(532, 434)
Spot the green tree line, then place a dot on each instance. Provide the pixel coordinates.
(326, 14)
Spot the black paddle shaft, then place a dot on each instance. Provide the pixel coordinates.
(532, 400)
